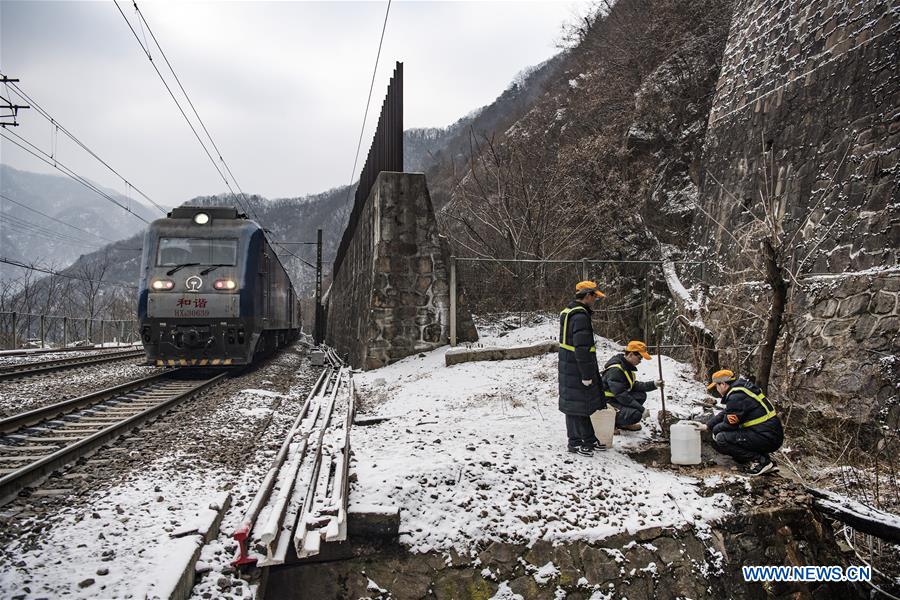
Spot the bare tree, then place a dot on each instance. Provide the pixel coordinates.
(90, 285)
(772, 248)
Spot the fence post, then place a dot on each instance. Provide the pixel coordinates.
(453, 301)
(646, 307)
(87, 331)
(15, 343)
(42, 330)
(584, 269)
(65, 332)
(102, 332)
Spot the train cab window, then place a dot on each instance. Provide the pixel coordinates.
(202, 251)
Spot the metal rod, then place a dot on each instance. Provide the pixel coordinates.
(662, 417)
(452, 300)
(569, 262)
(319, 325)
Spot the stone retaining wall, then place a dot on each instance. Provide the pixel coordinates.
(773, 524)
(842, 353)
(836, 358)
(810, 92)
(808, 96)
(391, 297)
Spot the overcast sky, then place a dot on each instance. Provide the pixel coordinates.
(280, 85)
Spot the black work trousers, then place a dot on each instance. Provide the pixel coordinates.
(745, 445)
(627, 415)
(580, 430)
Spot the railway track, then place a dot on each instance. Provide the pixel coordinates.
(59, 364)
(36, 443)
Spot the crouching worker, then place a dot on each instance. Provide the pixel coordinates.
(623, 391)
(748, 429)
(579, 375)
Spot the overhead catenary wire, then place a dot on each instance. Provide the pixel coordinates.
(368, 102)
(165, 83)
(311, 266)
(23, 265)
(58, 127)
(247, 206)
(52, 235)
(45, 215)
(48, 234)
(162, 53)
(43, 156)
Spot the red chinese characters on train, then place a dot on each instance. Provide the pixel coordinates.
(191, 307)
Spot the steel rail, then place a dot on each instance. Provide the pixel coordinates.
(91, 348)
(13, 483)
(47, 366)
(45, 413)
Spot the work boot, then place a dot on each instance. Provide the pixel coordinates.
(632, 427)
(758, 467)
(582, 450)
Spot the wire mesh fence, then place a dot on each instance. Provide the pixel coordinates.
(36, 330)
(509, 286)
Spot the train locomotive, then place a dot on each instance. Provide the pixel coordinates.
(212, 290)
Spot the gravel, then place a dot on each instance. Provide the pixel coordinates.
(223, 441)
(35, 391)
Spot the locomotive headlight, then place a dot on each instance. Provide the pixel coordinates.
(201, 218)
(225, 284)
(162, 284)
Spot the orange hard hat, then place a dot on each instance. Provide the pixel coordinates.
(583, 288)
(723, 376)
(639, 347)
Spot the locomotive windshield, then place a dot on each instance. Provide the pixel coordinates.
(200, 251)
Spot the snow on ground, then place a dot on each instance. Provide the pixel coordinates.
(27, 393)
(477, 452)
(127, 526)
(126, 536)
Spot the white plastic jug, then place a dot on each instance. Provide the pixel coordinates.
(685, 439)
(604, 422)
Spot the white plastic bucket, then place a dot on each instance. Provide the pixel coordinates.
(604, 422)
(685, 443)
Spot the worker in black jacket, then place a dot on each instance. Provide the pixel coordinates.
(579, 376)
(623, 391)
(748, 429)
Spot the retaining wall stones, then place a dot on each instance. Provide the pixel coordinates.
(810, 92)
(842, 352)
(807, 113)
(772, 525)
(391, 297)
